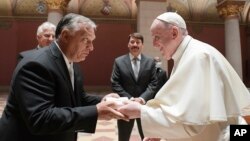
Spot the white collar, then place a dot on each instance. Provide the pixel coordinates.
(132, 57)
(181, 48)
(69, 64)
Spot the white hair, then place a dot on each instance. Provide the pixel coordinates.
(169, 25)
(45, 26)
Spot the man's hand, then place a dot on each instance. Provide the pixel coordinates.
(106, 111)
(131, 109)
(138, 99)
(119, 101)
(114, 95)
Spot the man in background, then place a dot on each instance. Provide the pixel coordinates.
(134, 77)
(45, 35)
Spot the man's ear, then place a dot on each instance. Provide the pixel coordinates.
(65, 35)
(175, 32)
(38, 37)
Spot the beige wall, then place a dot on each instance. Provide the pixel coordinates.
(147, 12)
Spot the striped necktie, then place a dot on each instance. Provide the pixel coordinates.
(136, 67)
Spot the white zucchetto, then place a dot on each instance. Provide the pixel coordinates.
(173, 18)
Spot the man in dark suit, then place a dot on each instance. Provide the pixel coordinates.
(135, 79)
(161, 73)
(47, 101)
(45, 35)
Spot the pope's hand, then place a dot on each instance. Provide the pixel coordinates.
(106, 111)
(131, 109)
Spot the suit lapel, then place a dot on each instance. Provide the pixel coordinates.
(77, 80)
(62, 67)
(142, 65)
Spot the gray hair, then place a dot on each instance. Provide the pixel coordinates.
(169, 25)
(71, 21)
(45, 26)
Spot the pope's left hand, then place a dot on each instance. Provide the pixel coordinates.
(131, 109)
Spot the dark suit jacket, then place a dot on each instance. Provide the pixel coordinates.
(42, 105)
(22, 54)
(162, 77)
(124, 82)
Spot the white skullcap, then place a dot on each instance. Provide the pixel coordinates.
(173, 18)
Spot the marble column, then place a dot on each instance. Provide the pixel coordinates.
(229, 10)
(148, 10)
(56, 10)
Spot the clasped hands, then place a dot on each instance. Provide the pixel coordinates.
(113, 106)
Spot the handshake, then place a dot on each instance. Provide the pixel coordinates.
(119, 101)
(115, 107)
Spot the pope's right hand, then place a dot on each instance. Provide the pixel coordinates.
(106, 111)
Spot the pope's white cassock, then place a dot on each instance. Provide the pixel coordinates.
(202, 97)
